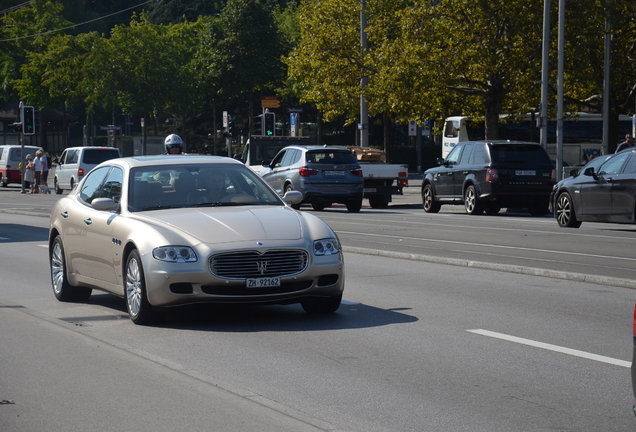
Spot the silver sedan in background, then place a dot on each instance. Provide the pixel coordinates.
(215, 232)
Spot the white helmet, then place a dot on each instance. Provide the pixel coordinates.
(173, 140)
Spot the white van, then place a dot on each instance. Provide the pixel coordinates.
(76, 162)
(10, 158)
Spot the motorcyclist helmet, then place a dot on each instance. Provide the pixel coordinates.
(171, 141)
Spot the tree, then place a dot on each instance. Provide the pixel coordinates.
(25, 30)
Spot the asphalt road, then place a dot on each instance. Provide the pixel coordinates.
(416, 346)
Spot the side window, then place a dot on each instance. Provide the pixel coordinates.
(631, 165)
(112, 186)
(91, 185)
(71, 158)
(289, 154)
(63, 157)
(479, 155)
(614, 165)
(278, 160)
(454, 155)
(450, 129)
(296, 157)
(468, 151)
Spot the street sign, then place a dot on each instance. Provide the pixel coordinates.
(110, 128)
(224, 119)
(270, 102)
(412, 128)
(292, 123)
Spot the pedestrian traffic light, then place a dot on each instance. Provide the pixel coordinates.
(28, 120)
(270, 123)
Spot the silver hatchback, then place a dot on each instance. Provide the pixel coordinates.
(324, 175)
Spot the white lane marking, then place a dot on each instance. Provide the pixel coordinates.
(349, 303)
(4, 238)
(556, 348)
(44, 246)
(488, 245)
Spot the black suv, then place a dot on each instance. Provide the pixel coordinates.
(489, 175)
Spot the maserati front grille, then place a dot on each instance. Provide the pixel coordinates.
(253, 264)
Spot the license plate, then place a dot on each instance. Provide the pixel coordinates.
(525, 172)
(370, 190)
(263, 282)
(334, 173)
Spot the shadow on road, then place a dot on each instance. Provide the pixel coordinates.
(16, 233)
(251, 319)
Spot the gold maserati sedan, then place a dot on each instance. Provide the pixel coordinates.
(164, 231)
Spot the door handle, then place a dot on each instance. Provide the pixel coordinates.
(64, 214)
(88, 221)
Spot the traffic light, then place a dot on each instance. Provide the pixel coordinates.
(28, 120)
(258, 125)
(270, 123)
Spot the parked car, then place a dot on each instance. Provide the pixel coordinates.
(76, 162)
(324, 175)
(490, 175)
(10, 158)
(217, 233)
(604, 190)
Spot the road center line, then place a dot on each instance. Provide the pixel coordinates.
(556, 348)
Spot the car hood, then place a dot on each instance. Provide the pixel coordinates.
(231, 224)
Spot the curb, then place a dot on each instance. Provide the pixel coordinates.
(532, 271)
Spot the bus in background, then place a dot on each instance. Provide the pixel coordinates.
(582, 136)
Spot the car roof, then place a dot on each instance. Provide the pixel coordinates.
(500, 142)
(167, 160)
(91, 147)
(317, 147)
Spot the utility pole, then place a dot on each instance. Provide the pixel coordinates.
(364, 108)
(545, 76)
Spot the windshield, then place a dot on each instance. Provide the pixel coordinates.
(196, 185)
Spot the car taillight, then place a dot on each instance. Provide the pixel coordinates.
(403, 178)
(492, 175)
(357, 172)
(80, 172)
(306, 171)
(8, 166)
(553, 175)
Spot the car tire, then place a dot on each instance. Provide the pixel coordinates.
(354, 206)
(492, 209)
(3, 180)
(62, 288)
(58, 190)
(289, 187)
(318, 206)
(471, 202)
(72, 184)
(428, 200)
(378, 202)
(564, 211)
(321, 305)
(539, 210)
(140, 311)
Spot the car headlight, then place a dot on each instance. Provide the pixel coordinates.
(326, 247)
(174, 254)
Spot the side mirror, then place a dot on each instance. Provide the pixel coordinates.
(266, 163)
(440, 161)
(105, 204)
(293, 197)
(574, 172)
(590, 172)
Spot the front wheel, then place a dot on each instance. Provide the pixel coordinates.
(564, 212)
(318, 206)
(471, 201)
(378, 202)
(58, 190)
(139, 310)
(62, 288)
(354, 206)
(321, 305)
(428, 200)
